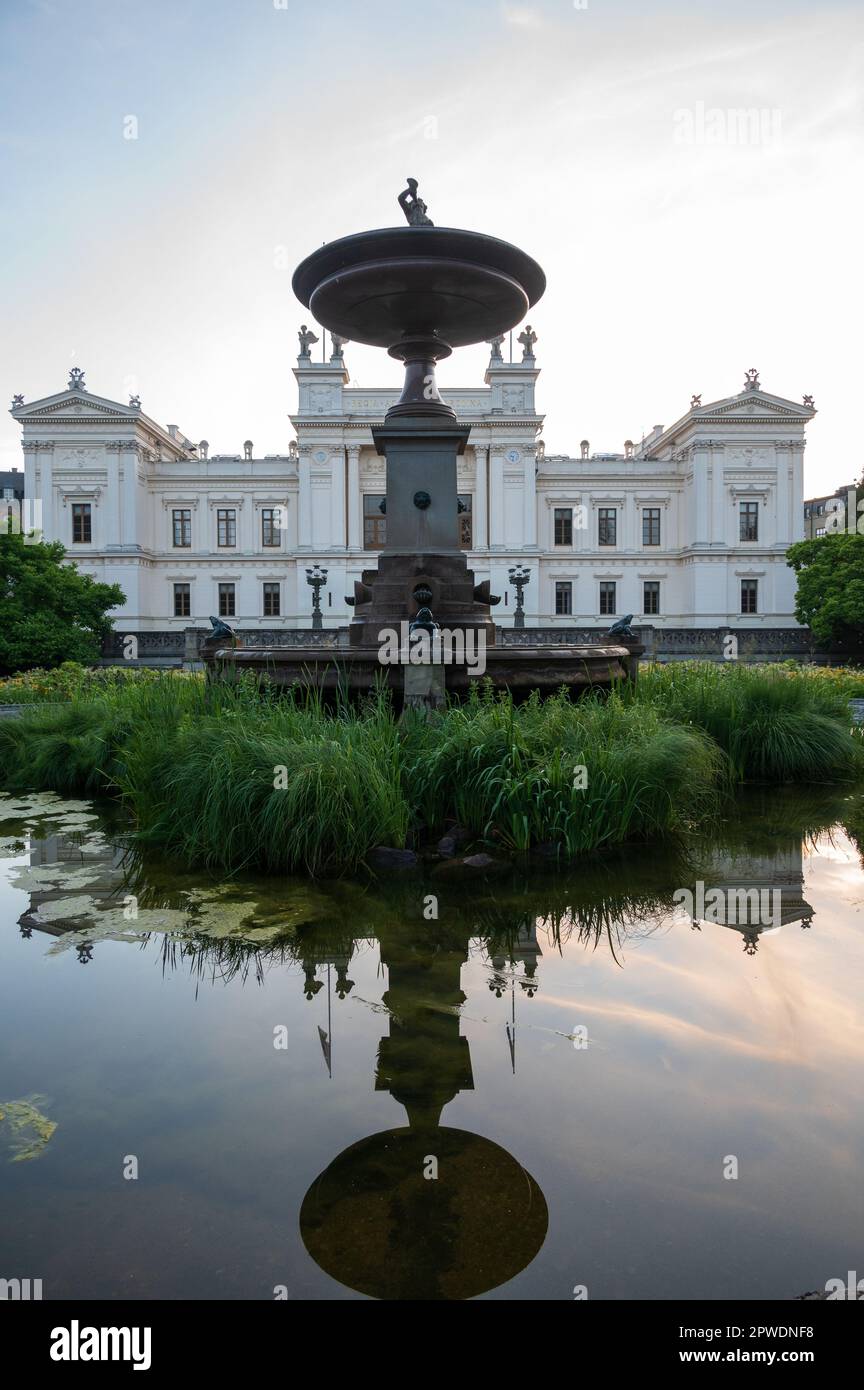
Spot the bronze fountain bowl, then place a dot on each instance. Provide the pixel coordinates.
(380, 287)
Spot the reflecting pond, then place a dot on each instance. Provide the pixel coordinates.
(639, 1078)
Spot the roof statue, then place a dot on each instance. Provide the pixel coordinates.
(307, 338)
(528, 338)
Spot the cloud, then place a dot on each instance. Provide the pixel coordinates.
(521, 17)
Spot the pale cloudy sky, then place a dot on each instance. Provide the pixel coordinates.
(599, 138)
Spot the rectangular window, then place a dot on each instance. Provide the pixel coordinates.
(182, 518)
(607, 527)
(651, 596)
(182, 601)
(82, 528)
(650, 525)
(563, 521)
(270, 518)
(563, 596)
(226, 601)
(463, 502)
(374, 522)
(749, 521)
(607, 598)
(226, 522)
(749, 595)
(271, 600)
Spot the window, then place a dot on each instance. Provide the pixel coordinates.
(563, 596)
(749, 521)
(749, 595)
(270, 519)
(607, 530)
(226, 601)
(271, 600)
(226, 522)
(650, 525)
(182, 518)
(607, 598)
(820, 530)
(182, 601)
(465, 516)
(374, 522)
(563, 522)
(82, 529)
(651, 596)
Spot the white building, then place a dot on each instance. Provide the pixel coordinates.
(687, 528)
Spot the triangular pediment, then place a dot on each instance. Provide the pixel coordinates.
(74, 405)
(749, 403)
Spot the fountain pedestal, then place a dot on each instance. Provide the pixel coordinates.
(422, 564)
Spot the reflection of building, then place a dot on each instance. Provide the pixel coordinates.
(104, 880)
(523, 949)
(759, 892)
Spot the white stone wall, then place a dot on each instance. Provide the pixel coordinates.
(80, 447)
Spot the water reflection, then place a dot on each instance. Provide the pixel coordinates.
(426, 1210)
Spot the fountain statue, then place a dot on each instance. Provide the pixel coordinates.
(419, 291)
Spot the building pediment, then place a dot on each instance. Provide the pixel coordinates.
(754, 403)
(73, 405)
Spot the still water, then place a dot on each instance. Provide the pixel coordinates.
(327, 1091)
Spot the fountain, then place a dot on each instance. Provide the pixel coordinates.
(419, 291)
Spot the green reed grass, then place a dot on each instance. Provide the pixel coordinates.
(234, 775)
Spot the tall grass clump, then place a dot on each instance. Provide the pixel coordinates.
(576, 775)
(238, 775)
(774, 725)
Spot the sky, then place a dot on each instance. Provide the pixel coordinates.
(165, 166)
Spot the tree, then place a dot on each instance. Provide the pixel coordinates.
(830, 597)
(49, 611)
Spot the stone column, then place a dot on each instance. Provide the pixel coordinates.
(354, 498)
(798, 490)
(337, 499)
(112, 469)
(129, 500)
(530, 502)
(46, 483)
(481, 502)
(496, 497)
(719, 514)
(304, 510)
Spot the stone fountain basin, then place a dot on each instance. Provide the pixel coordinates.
(522, 669)
(378, 286)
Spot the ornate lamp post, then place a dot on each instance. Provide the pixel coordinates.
(519, 577)
(317, 577)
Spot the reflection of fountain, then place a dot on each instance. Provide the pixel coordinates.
(426, 1212)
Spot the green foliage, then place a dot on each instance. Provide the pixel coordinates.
(72, 681)
(773, 723)
(49, 612)
(513, 772)
(234, 775)
(830, 597)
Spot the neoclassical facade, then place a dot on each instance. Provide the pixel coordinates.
(687, 528)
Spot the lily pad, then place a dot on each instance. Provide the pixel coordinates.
(25, 1129)
(67, 909)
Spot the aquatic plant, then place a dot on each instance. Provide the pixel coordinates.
(775, 724)
(234, 775)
